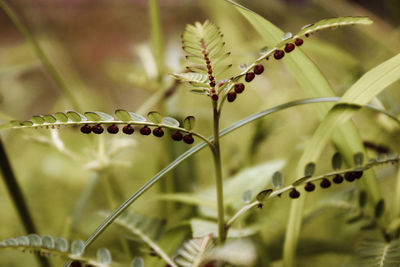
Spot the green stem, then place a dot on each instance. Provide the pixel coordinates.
(40, 54)
(396, 212)
(218, 176)
(18, 198)
(156, 37)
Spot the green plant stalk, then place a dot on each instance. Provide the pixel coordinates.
(157, 37)
(18, 198)
(40, 54)
(396, 209)
(218, 175)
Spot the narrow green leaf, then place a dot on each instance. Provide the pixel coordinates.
(137, 117)
(27, 123)
(35, 240)
(170, 121)
(300, 181)
(77, 247)
(277, 180)
(263, 194)
(61, 244)
(123, 115)
(103, 256)
(362, 198)
(75, 116)
(49, 118)
(37, 119)
(11, 242)
(379, 208)
(154, 116)
(337, 161)
(98, 116)
(61, 117)
(309, 169)
(198, 91)
(356, 218)
(23, 240)
(92, 116)
(15, 123)
(189, 122)
(358, 158)
(137, 262)
(363, 91)
(104, 116)
(48, 242)
(194, 77)
(247, 196)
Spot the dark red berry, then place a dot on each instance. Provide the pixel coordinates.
(177, 136)
(212, 84)
(214, 97)
(358, 174)
(349, 176)
(309, 187)
(338, 179)
(211, 78)
(239, 88)
(128, 129)
(158, 132)
(279, 54)
(75, 264)
(298, 42)
(249, 76)
(86, 129)
(145, 130)
(294, 193)
(209, 66)
(325, 183)
(97, 129)
(112, 129)
(231, 96)
(289, 47)
(209, 71)
(258, 69)
(188, 139)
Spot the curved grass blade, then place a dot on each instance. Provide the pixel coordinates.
(314, 84)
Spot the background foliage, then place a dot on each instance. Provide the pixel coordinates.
(103, 50)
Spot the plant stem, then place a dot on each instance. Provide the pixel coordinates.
(218, 176)
(396, 212)
(18, 198)
(157, 37)
(40, 54)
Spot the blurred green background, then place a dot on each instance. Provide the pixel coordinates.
(103, 51)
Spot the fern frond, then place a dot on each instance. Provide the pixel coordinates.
(376, 253)
(123, 117)
(47, 245)
(206, 48)
(146, 229)
(291, 38)
(194, 252)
